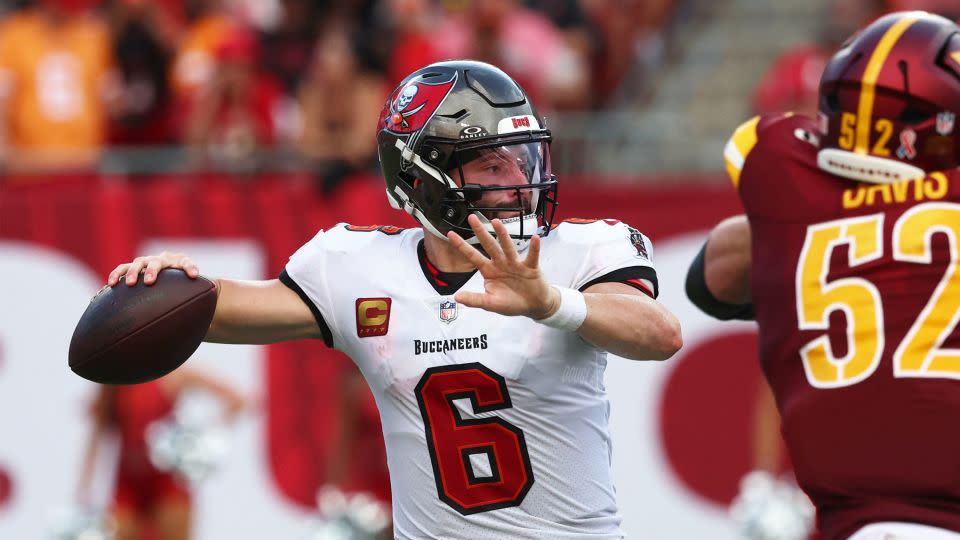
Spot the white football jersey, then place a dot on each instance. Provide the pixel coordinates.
(495, 426)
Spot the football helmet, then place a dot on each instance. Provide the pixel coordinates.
(889, 99)
(443, 117)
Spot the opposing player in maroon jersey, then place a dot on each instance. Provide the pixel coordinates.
(848, 257)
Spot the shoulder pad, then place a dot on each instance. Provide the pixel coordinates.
(580, 251)
(344, 237)
(587, 231)
(745, 139)
(602, 234)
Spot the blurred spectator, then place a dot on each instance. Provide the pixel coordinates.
(364, 17)
(337, 100)
(525, 44)
(288, 47)
(194, 63)
(147, 500)
(631, 47)
(56, 86)
(947, 8)
(8, 6)
(143, 47)
(579, 32)
(791, 83)
(232, 117)
(288, 44)
(413, 24)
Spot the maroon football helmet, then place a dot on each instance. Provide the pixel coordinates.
(889, 99)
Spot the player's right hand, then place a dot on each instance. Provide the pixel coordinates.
(511, 286)
(151, 265)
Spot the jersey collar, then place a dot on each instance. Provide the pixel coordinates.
(445, 283)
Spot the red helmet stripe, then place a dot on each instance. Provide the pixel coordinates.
(869, 81)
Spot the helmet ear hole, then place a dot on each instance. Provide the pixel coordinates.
(830, 99)
(832, 102)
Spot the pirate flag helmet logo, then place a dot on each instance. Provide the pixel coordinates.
(412, 104)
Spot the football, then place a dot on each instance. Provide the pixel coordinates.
(134, 334)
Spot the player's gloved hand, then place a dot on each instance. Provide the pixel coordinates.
(151, 265)
(511, 286)
(771, 509)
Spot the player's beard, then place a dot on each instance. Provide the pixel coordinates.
(509, 209)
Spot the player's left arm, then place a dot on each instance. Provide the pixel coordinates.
(628, 323)
(718, 280)
(618, 318)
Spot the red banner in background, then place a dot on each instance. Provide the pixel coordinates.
(103, 223)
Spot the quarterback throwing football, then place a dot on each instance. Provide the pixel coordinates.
(483, 335)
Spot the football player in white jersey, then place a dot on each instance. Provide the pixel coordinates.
(483, 335)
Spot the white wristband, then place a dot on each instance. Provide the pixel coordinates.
(571, 313)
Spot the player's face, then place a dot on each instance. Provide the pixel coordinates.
(500, 166)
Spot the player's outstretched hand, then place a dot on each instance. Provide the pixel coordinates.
(512, 286)
(151, 265)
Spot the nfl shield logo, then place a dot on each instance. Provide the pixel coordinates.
(945, 121)
(448, 311)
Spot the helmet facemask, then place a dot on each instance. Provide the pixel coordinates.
(503, 177)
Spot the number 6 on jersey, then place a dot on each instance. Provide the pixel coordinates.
(479, 464)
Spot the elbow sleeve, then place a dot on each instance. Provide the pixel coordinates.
(700, 295)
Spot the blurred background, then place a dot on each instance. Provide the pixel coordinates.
(234, 129)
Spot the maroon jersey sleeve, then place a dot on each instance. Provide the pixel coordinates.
(755, 153)
(856, 289)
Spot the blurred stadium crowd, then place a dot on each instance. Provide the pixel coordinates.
(252, 85)
(227, 78)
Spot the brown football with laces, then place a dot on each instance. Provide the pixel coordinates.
(134, 334)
